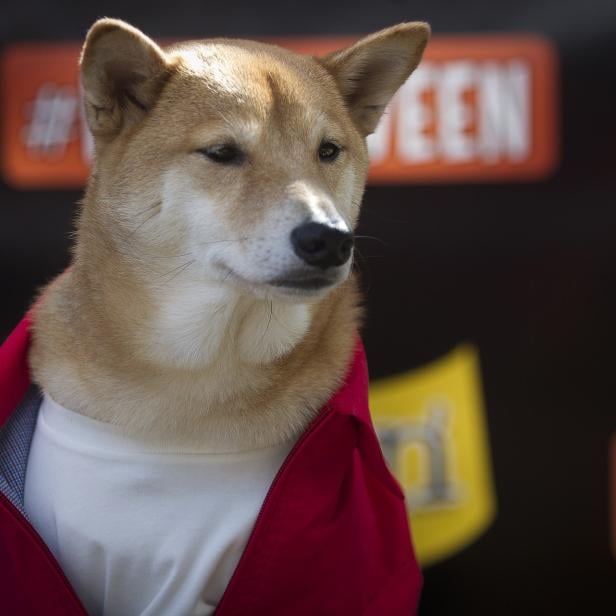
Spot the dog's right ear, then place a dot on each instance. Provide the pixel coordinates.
(122, 74)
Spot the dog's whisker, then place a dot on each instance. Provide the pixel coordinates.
(136, 253)
(219, 309)
(269, 320)
(225, 118)
(176, 271)
(150, 207)
(357, 253)
(154, 256)
(284, 326)
(156, 207)
(370, 237)
(238, 239)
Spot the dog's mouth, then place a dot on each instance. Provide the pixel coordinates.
(305, 281)
(298, 282)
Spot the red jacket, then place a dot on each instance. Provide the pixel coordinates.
(332, 537)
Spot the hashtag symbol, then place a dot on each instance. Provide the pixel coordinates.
(52, 118)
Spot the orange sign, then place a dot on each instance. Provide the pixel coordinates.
(478, 108)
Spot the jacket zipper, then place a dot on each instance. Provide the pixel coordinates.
(311, 428)
(46, 552)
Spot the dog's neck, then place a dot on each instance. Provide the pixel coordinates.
(199, 323)
(189, 359)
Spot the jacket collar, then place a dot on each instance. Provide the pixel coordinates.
(20, 402)
(14, 370)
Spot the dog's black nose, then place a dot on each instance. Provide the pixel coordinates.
(320, 245)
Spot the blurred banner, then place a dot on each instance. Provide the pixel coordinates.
(432, 429)
(479, 108)
(488, 221)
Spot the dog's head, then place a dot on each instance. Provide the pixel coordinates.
(248, 159)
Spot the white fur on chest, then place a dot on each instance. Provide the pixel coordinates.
(199, 324)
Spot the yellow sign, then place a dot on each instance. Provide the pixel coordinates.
(431, 425)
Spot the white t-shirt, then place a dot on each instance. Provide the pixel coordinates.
(137, 530)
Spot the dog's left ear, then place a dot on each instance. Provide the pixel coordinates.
(370, 72)
(122, 73)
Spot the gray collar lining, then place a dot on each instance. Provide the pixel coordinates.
(15, 440)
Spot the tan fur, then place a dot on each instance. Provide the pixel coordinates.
(166, 323)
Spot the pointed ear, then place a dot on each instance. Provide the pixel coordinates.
(370, 72)
(122, 74)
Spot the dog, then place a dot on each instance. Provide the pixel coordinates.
(210, 311)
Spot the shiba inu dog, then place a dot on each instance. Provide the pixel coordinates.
(210, 304)
(214, 242)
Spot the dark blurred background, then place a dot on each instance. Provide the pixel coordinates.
(525, 271)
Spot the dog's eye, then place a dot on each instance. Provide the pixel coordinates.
(329, 151)
(224, 154)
